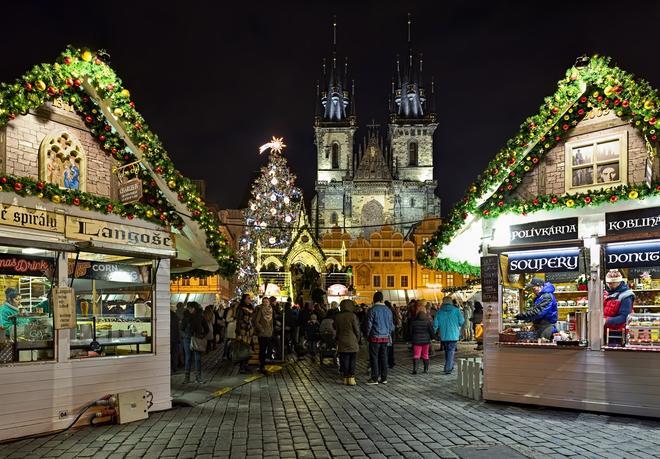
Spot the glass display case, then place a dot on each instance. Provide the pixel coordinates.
(111, 335)
(31, 338)
(643, 330)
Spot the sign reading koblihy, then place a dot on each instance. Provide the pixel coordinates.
(632, 255)
(545, 231)
(544, 262)
(632, 221)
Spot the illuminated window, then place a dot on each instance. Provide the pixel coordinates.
(203, 281)
(425, 279)
(450, 280)
(185, 282)
(404, 281)
(377, 281)
(597, 164)
(438, 278)
(390, 281)
(412, 202)
(334, 218)
(335, 155)
(412, 153)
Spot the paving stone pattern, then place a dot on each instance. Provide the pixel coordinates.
(304, 412)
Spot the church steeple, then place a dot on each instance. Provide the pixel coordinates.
(335, 104)
(409, 98)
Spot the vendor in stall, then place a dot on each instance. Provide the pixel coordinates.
(9, 308)
(543, 313)
(617, 301)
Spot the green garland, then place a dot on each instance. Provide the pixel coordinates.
(65, 79)
(593, 84)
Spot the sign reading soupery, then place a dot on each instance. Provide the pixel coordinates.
(31, 218)
(564, 229)
(634, 255)
(632, 221)
(84, 229)
(550, 261)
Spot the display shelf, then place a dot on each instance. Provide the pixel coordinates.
(646, 289)
(540, 345)
(632, 348)
(573, 292)
(646, 305)
(112, 341)
(573, 307)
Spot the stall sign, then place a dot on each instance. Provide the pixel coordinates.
(632, 221)
(85, 229)
(490, 281)
(64, 308)
(23, 265)
(544, 261)
(632, 255)
(552, 230)
(31, 218)
(113, 272)
(130, 191)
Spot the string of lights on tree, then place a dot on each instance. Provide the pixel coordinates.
(592, 83)
(270, 215)
(65, 79)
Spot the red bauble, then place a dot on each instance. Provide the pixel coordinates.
(89, 119)
(581, 111)
(652, 121)
(109, 208)
(509, 187)
(67, 60)
(52, 90)
(18, 186)
(132, 104)
(137, 126)
(583, 99)
(654, 137)
(512, 173)
(614, 198)
(3, 179)
(535, 160)
(40, 185)
(599, 98)
(625, 103)
(114, 149)
(159, 170)
(500, 203)
(76, 201)
(196, 213)
(180, 197)
(110, 86)
(535, 202)
(554, 200)
(486, 212)
(617, 102)
(107, 128)
(102, 138)
(565, 127)
(163, 217)
(78, 82)
(28, 86)
(555, 110)
(587, 199)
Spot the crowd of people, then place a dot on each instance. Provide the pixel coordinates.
(277, 328)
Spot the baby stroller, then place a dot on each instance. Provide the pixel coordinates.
(327, 348)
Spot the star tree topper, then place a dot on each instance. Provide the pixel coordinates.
(276, 145)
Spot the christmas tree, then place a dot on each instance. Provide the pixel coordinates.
(270, 215)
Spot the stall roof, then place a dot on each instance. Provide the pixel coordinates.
(82, 78)
(590, 83)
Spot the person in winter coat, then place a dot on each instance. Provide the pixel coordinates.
(543, 314)
(244, 327)
(209, 317)
(477, 320)
(618, 302)
(421, 332)
(229, 317)
(193, 325)
(312, 335)
(379, 329)
(448, 322)
(174, 341)
(263, 327)
(347, 326)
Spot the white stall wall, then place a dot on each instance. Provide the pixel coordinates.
(33, 395)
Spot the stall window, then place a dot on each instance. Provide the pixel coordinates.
(114, 305)
(203, 281)
(390, 281)
(26, 320)
(377, 281)
(404, 281)
(185, 282)
(597, 164)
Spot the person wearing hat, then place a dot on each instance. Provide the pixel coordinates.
(9, 309)
(543, 314)
(617, 301)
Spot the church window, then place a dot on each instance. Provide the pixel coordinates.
(335, 155)
(386, 253)
(412, 202)
(333, 218)
(404, 281)
(390, 281)
(412, 154)
(377, 281)
(398, 254)
(376, 253)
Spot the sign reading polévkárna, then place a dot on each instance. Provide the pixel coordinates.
(632, 221)
(84, 229)
(564, 229)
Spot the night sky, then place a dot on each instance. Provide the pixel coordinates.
(215, 82)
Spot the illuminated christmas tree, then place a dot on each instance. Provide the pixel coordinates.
(270, 215)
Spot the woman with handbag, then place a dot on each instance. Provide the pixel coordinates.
(196, 331)
(244, 333)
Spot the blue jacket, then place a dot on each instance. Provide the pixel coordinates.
(380, 322)
(448, 320)
(545, 307)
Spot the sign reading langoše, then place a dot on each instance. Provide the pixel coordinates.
(632, 221)
(551, 230)
(84, 229)
(31, 218)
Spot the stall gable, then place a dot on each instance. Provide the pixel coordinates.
(590, 86)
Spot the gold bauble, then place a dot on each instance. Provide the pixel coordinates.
(649, 104)
(86, 56)
(118, 112)
(149, 214)
(40, 85)
(171, 184)
(56, 199)
(125, 93)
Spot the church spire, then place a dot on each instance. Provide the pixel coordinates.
(335, 95)
(409, 94)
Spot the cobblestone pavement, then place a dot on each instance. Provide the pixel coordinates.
(303, 411)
